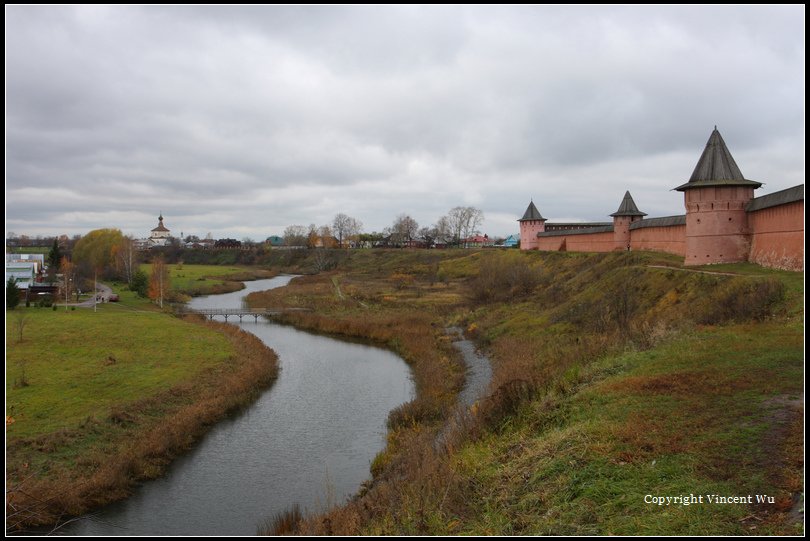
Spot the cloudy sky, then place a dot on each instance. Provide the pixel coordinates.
(241, 121)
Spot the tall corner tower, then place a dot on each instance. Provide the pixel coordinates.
(715, 197)
(531, 224)
(627, 214)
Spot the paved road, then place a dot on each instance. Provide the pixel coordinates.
(103, 293)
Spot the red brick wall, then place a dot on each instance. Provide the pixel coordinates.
(720, 230)
(671, 239)
(778, 236)
(593, 242)
(550, 244)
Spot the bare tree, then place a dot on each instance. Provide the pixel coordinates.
(323, 260)
(455, 221)
(464, 222)
(404, 229)
(428, 234)
(345, 227)
(127, 258)
(442, 231)
(19, 323)
(295, 235)
(474, 219)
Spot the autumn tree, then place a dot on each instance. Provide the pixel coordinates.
(159, 281)
(326, 236)
(68, 278)
(312, 236)
(99, 249)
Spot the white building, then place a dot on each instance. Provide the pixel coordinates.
(23, 273)
(160, 235)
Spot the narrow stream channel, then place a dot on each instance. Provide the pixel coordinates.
(309, 439)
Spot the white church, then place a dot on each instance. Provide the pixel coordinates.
(159, 236)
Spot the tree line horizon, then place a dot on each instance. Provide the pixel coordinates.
(458, 224)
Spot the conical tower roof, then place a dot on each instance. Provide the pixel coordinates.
(531, 214)
(628, 207)
(716, 167)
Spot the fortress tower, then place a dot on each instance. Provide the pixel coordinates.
(628, 213)
(531, 224)
(715, 197)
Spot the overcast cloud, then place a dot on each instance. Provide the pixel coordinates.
(241, 121)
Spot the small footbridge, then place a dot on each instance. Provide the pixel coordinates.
(255, 313)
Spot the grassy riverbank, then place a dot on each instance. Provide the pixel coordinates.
(198, 280)
(96, 402)
(616, 376)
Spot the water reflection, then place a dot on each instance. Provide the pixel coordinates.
(309, 439)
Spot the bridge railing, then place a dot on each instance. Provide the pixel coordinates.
(210, 312)
(229, 311)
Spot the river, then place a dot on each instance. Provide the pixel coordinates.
(309, 439)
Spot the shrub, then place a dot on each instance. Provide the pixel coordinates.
(12, 294)
(741, 299)
(284, 522)
(140, 283)
(503, 277)
(413, 413)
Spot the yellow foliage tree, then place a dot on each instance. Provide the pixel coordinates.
(68, 279)
(159, 281)
(99, 249)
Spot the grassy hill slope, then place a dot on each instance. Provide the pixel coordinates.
(618, 379)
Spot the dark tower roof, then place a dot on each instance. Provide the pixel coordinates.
(531, 214)
(628, 207)
(160, 226)
(716, 167)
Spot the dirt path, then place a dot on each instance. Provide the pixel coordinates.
(696, 270)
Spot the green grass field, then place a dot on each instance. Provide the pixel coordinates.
(97, 401)
(80, 363)
(703, 414)
(197, 280)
